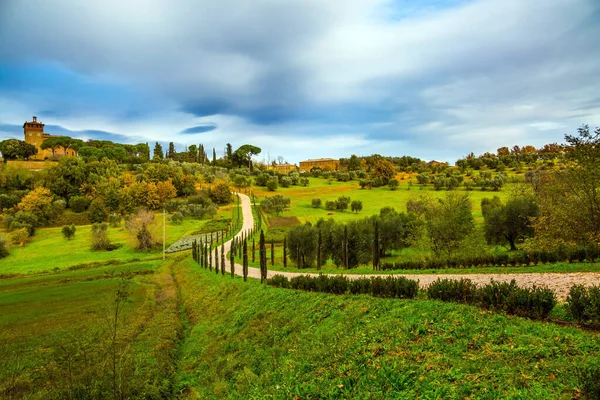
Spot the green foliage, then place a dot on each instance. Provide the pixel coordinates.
(588, 375)
(449, 221)
(13, 149)
(272, 184)
(536, 303)
(177, 218)
(19, 236)
(114, 220)
(316, 203)
(99, 237)
(68, 217)
(510, 223)
(97, 211)
(3, 247)
(583, 304)
(68, 231)
(79, 204)
(356, 206)
(275, 204)
(22, 220)
(220, 193)
(390, 287)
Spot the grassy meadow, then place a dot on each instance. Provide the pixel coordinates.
(372, 199)
(48, 250)
(244, 340)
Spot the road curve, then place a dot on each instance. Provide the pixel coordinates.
(560, 283)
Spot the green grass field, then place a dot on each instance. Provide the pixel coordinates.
(373, 200)
(47, 250)
(250, 341)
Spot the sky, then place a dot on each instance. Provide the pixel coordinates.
(434, 79)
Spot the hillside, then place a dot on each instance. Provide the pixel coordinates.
(244, 340)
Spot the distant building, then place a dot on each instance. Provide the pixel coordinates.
(283, 168)
(34, 134)
(326, 164)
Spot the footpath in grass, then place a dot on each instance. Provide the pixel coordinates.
(247, 340)
(106, 332)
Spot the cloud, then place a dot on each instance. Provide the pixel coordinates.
(434, 79)
(199, 129)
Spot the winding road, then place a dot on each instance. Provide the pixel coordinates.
(560, 283)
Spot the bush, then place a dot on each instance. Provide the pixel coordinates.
(316, 203)
(360, 286)
(100, 239)
(330, 205)
(394, 287)
(97, 211)
(534, 303)
(220, 193)
(114, 220)
(139, 226)
(3, 247)
(177, 218)
(69, 217)
(583, 304)
(79, 204)
(68, 231)
(19, 236)
(279, 281)
(272, 184)
(459, 291)
(286, 182)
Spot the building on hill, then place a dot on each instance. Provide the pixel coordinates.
(326, 164)
(283, 168)
(34, 134)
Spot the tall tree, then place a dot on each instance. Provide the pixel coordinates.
(158, 152)
(229, 152)
(569, 198)
(171, 153)
(506, 224)
(214, 160)
(193, 153)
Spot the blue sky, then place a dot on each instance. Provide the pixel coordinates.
(435, 79)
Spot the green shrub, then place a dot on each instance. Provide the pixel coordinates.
(69, 217)
(97, 211)
(79, 204)
(316, 203)
(114, 220)
(578, 303)
(99, 237)
(3, 247)
(460, 291)
(19, 236)
(360, 286)
(394, 287)
(177, 218)
(68, 231)
(279, 281)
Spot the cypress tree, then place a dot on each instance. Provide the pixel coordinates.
(245, 262)
(319, 245)
(346, 246)
(223, 259)
(217, 259)
(284, 252)
(214, 156)
(232, 261)
(376, 247)
(272, 253)
(262, 256)
(253, 249)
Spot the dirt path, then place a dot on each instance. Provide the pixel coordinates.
(560, 283)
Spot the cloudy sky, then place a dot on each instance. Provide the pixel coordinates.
(302, 79)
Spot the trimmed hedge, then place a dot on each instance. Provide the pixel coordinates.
(389, 287)
(535, 303)
(583, 304)
(520, 258)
